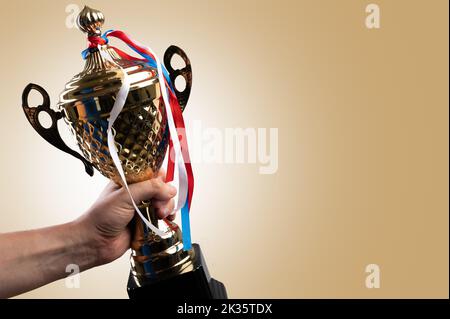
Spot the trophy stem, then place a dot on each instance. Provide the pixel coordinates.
(153, 257)
(160, 267)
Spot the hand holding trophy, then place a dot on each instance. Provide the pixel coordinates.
(126, 114)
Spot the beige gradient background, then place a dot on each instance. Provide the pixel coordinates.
(363, 140)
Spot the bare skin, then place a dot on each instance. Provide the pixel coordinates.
(33, 258)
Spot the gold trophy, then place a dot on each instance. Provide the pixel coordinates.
(159, 264)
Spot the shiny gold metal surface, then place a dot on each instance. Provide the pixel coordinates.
(141, 137)
(141, 134)
(90, 21)
(155, 257)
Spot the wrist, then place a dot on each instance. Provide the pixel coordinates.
(87, 246)
(103, 246)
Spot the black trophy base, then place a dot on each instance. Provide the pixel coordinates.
(196, 284)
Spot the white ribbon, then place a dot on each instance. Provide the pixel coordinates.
(182, 174)
(116, 109)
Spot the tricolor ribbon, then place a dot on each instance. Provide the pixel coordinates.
(178, 147)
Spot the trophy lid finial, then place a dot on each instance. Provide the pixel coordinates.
(90, 21)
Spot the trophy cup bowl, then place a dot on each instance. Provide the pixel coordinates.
(159, 264)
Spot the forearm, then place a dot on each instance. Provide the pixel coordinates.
(30, 259)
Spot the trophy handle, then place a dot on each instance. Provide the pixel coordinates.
(51, 133)
(185, 72)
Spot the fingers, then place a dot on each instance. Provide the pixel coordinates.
(162, 174)
(163, 208)
(154, 189)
